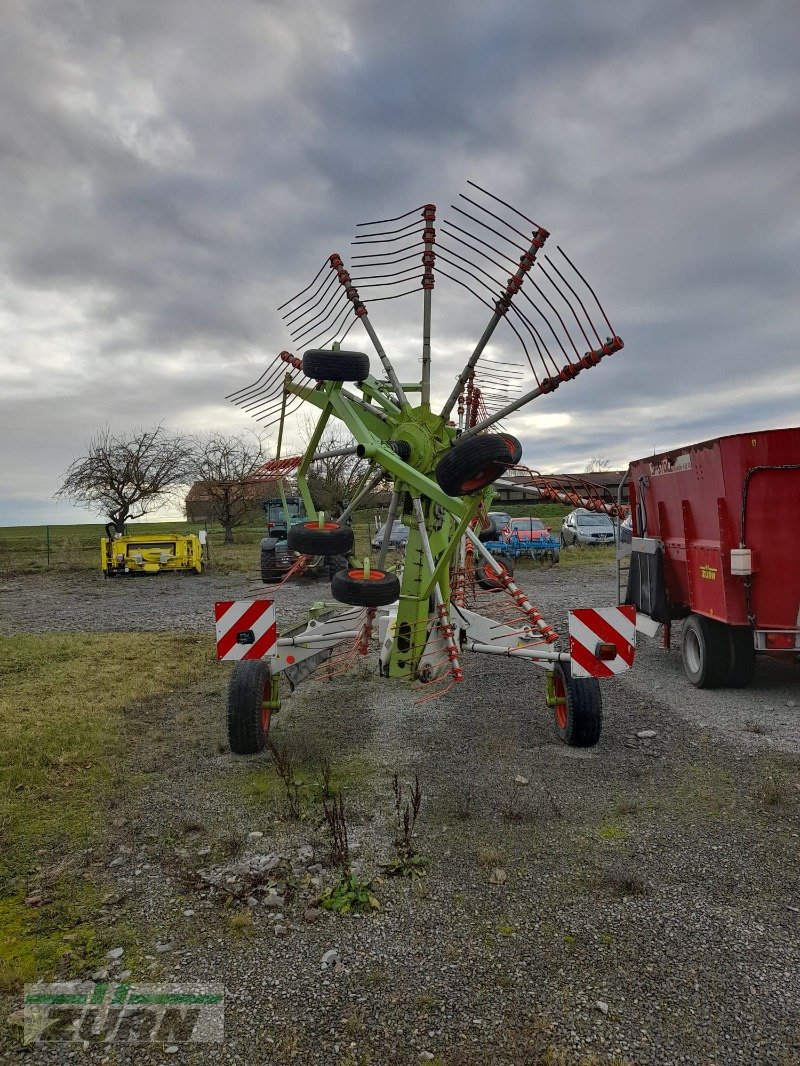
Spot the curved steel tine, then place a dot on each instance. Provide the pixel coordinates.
(296, 314)
(491, 229)
(511, 207)
(392, 251)
(577, 297)
(567, 302)
(589, 287)
(525, 236)
(384, 221)
(497, 251)
(547, 320)
(386, 232)
(292, 298)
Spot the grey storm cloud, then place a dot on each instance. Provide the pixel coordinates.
(171, 173)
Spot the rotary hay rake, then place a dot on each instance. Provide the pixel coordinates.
(449, 596)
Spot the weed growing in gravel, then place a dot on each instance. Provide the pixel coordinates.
(487, 855)
(336, 820)
(611, 832)
(512, 804)
(349, 894)
(407, 862)
(286, 769)
(465, 804)
(775, 789)
(240, 921)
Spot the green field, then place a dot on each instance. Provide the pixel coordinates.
(30, 549)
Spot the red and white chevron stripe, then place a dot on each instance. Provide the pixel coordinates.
(246, 629)
(589, 627)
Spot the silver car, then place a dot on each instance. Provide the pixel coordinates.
(397, 539)
(587, 527)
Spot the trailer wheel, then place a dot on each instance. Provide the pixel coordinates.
(705, 651)
(335, 563)
(270, 574)
(490, 533)
(309, 538)
(251, 688)
(741, 656)
(378, 589)
(579, 720)
(488, 578)
(321, 364)
(472, 464)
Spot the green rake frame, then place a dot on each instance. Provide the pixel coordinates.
(444, 599)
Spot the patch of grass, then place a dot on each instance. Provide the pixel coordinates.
(263, 783)
(58, 938)
(706, 790)
(426, 1002)
(63, 727)
(241, 921)
(62, 698)
(777, 790)
(487, 855)
(611, 832)
(578, 556)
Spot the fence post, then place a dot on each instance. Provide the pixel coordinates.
(47, 543)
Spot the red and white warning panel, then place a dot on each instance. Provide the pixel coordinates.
(246, 629)
(602, 641)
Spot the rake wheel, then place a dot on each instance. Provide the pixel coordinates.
(375, 588)
(309, 538)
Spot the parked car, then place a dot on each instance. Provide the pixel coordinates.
(501, 520)
(397, 539)
(587, 527)
(525, 529)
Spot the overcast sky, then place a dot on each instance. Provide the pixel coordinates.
(172, 172)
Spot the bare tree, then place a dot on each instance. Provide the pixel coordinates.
(226, 465)
(128, 475)
(333, 482)
(597, 463)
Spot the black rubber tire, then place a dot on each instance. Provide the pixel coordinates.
(490, 533)
(514, 447)
(335, 563)
(321, 364)
(741, 657)
(704, 647)
(378, 591)
(247, 721)
(270, 574)
(579, 722)
(472, 464)
(486, 576)
(333, 539)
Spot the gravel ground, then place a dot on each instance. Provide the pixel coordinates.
(637, 900)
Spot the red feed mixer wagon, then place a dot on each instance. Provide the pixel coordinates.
(716, 533)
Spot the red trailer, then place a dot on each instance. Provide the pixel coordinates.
(716, 541)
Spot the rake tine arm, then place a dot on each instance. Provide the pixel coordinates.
(592, 358)
(568, 303)
(527, 260)
(387, 532)
(351, 292)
